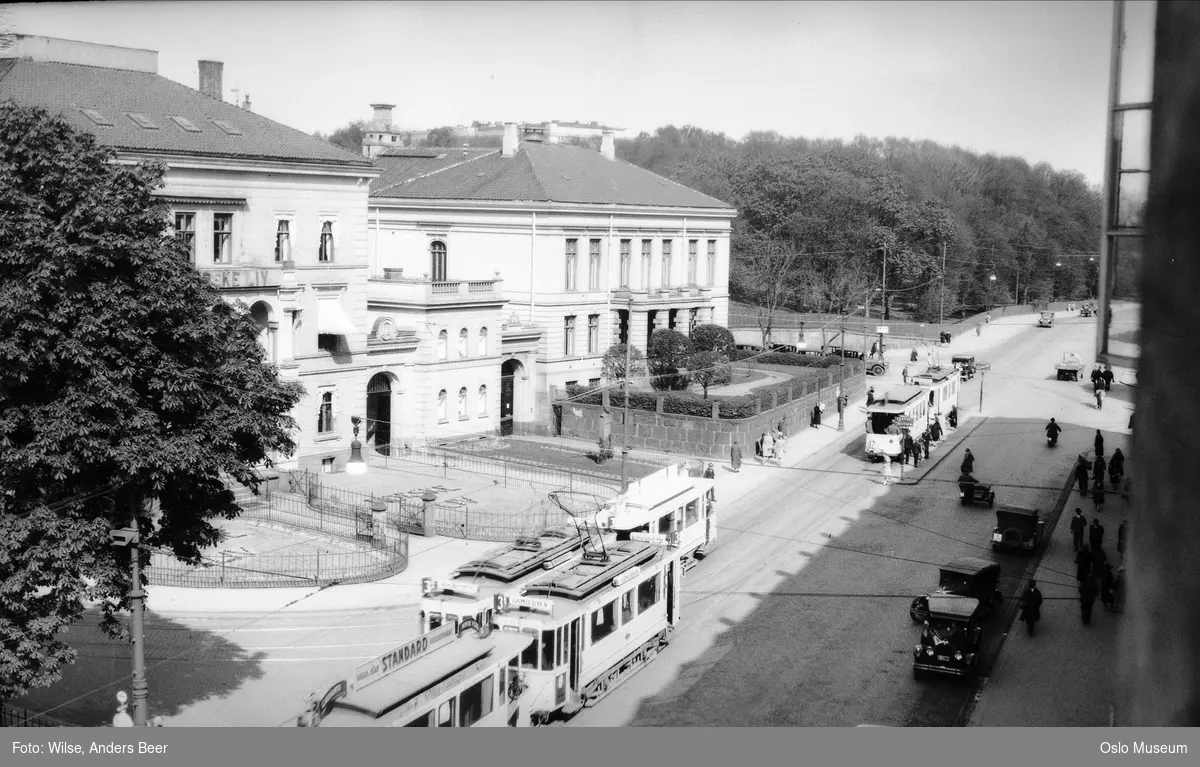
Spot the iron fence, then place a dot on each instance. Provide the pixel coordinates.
(272, 570)
(14, 716)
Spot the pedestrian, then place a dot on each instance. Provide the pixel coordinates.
(1095, 536)
(1107, 375)
(870, 396)
(935, 431)
(978, 329)
(711, 473)
(1107, 578)
(910, 447)
(1078, 525)
(735, 456)
(988, 318)
(874, 348)
(968, 463)
(1100, 399)
(1098, 467)
(905, 374)
(1116, 467)
(925, 444)
(1081, 475)
(1118, 590)
(1099, 442)
(1099, 562)
(1121, 532)
(887, 469)
(1097, 497)
(1083, 563)
(1095, 377)
(913, 356)
(1087, 598)
(952, 418)
(816, 416)
(768, 443)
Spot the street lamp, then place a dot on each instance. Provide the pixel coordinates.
(841, 399)
(625, 387)
(122, 537)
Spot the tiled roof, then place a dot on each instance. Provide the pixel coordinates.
(537, 173)
(114, 94)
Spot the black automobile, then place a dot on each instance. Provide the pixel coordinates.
(963, 577)
(966, 365)
(950, 639)
(1020, 530)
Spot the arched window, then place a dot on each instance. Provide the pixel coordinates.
(437, 252)
(443, 342)
(462, 402)
(482, 350)
(442, 405)
(462, 342)
(325, 413)
(482, 401)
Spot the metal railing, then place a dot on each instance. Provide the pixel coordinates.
(14, 716)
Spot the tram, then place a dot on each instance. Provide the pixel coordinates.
(449, 677)
(899, 410)
(668, 506)
(942, 385)
(596, 621)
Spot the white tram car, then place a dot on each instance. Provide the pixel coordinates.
(597, 620)
(467, 677)
(668, 506)
(899, 410)
(942, 385)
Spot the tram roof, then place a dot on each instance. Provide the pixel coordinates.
(938, 375)
(588, 575)
(515, 560)
(399, 687)
(893, 400)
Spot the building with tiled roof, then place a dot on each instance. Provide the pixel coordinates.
(591, 250)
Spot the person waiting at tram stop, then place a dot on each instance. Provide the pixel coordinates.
(968, 462)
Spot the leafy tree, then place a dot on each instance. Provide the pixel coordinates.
(712, 338)
(348, 137)
(709, 368)
(767, 275)
(612, 366)
(124, 379)
(668, 352)
(444, 136)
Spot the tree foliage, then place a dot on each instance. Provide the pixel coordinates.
(712, 338)
(125, 379)
(612, 366)
(709, 368)
(667, 353)
(348, 137)
(443, 136)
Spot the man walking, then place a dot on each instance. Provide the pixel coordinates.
(1096, 534)
(1083, 564)
(1107, 375)
(711, 473)
(968, 463)
(1099, 443)
(735, 456)
(1098, 467)
(1087, 598)
(1078, 525)
(1121, 539)
(1081, 475)
(870, 396)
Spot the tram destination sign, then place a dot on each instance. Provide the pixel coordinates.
(904, 421)
(541, 605)
(399, 657)
(658, 538)
(626, 577)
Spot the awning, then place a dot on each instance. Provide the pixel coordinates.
(332, 319)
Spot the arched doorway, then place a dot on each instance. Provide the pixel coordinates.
(508, 375)
(379, 412)
(261, 313)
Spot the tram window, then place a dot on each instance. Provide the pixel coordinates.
(678, 518)
(648, 594)
(504, 672)
(475, 702)
(664, 524)
(560, 657)
(452, 619)
(446, 714)
(693, 512)
(603, 622)
(547, 650)
(529, 655)
(626, 607)
(424, 720)
(435, 620)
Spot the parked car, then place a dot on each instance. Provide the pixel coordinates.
(1087, 311)
(966, 364)
(876, 364)
(963, 577)
(951, 638)
(1020, 530)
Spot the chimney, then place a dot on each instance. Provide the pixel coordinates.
(607, 148)
(210, 79)
(382, 119)
(510, 140)
(246, 103)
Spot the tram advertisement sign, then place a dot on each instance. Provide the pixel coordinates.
(395, 659)
(431, 695)
(904, 421)
(658, 538)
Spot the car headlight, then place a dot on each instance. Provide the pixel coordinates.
(997, 537)
(958, 656)
(929, 651)
(917, 650)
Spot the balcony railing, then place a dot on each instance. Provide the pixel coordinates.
(394, 287)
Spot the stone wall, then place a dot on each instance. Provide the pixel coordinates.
(712, 437)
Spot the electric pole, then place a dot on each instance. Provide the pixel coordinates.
(628, 372)
(942, 311)
(842, 386)
(885, 306)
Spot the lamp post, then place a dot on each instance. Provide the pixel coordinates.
(122, 537)
(625, 387)
(841, 401)
(356, 464)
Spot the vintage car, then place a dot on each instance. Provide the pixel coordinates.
(1046, 320)
(975, 492)
(1020, 530)
(951, 638)
(1087, 311)
(966, 364)
(964, 577)
(1070, 367)
(876, 364)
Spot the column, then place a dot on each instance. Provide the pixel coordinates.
(639, 330)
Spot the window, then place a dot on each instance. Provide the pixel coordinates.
(424, 720)
(283, 244)
(481, 349)
(692, 513)
(666, 263)
(326, 254)
(603, 622)
(443, 342)
(693, 257)
(569, 340)
(327, 465)
(446, 714)
(462, 403)
(626, 607)
(594, 265)
(529, 656)
(184, 123)
(222, 238)
(548, 645)
(712, 263)
(185, 230)
(482, 401)
(593, 382)
(648, 593)
(462, 343)
(626, 255)
(442, 406)
(437, 253)
(646, 258)
(476, 701)
(572, 262)
(593, 334)
(666, 523)
(227, 126)
(325, 413)
(328, 342)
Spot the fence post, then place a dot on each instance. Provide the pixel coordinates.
(505, 473)
(317, 578)
(222, 567)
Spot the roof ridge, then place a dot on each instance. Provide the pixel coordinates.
(433, 172)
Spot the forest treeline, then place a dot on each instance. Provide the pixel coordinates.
(818, 218)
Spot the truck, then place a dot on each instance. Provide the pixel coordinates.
(1070, 367)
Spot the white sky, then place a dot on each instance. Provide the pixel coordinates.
(1022, 78)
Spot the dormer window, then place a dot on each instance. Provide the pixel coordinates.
(185, 123)
(96, 116)
(226, 126)
(142, 120)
